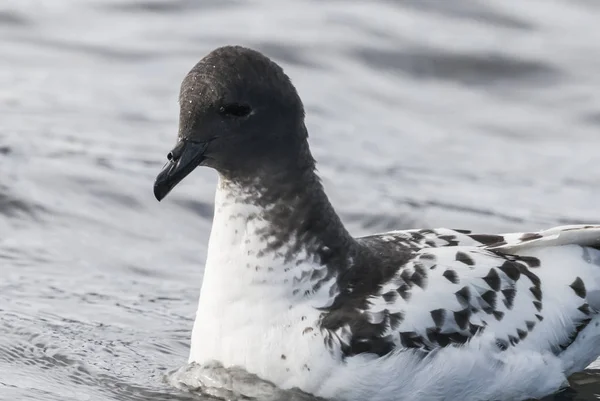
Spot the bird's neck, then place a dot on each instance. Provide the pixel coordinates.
(282, 234)
(274, 259)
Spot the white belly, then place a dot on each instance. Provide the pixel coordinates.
(279, 344)
(290, 355)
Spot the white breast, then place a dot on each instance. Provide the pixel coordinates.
(246, 315)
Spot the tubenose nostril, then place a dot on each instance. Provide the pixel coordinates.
(170, 156)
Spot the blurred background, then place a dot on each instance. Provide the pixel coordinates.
(422, 113)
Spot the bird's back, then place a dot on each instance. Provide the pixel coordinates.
(448, 302)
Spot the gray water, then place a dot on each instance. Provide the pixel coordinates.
(464, 114)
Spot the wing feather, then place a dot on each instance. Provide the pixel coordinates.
(456, 287)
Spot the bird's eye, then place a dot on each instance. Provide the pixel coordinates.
(235, 110)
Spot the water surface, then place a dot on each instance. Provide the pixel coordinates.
(481, 115)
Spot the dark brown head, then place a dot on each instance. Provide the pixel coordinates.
(240, 115)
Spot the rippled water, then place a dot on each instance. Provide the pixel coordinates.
(470, 114)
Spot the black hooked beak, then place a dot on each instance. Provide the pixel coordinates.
(184, 158)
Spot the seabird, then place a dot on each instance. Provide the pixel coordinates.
(427, 314)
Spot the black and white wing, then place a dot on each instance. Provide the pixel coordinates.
(538, 290)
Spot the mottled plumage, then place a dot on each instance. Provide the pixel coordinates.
(453, 286)
(288, 294)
